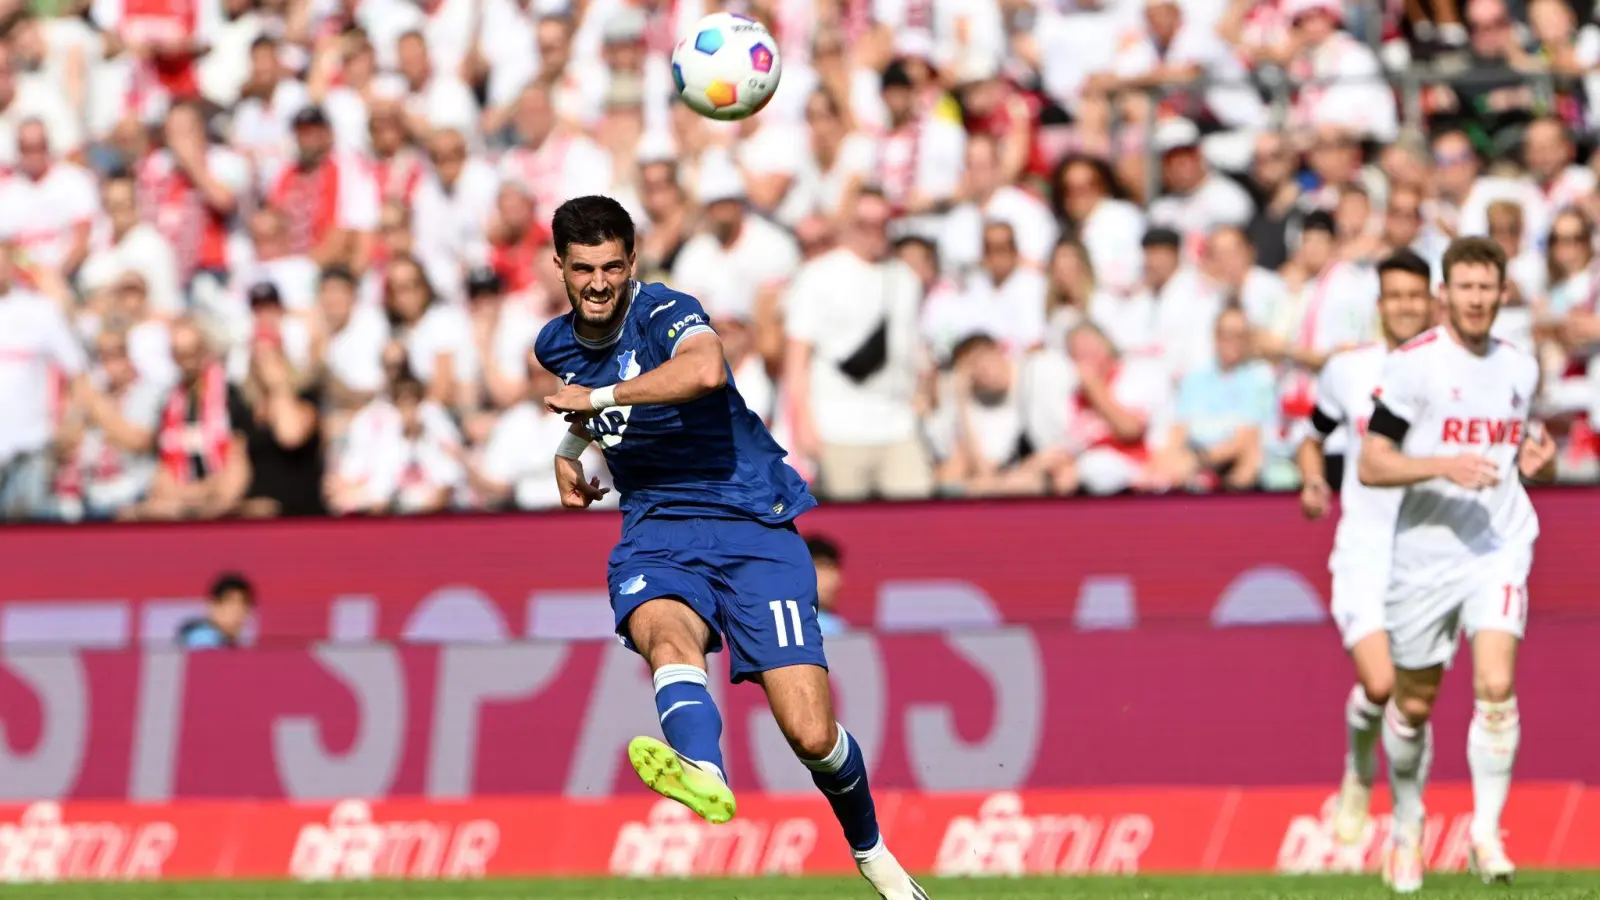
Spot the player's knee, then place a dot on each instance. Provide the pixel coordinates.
(1495, 687)
(1415, 702)
(813, 737)
(1378, 686)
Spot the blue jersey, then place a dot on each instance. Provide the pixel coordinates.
(708, 457)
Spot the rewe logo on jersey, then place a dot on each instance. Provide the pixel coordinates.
(1481, 431)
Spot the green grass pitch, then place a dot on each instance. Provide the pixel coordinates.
(1530, 886)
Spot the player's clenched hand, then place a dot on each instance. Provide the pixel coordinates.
(1314, 499)
(1472, 471)
(572, 401)
(577, 492)
(1535, 452)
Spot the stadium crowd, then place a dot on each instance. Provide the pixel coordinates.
(288, 257)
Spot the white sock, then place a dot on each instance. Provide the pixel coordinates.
(1492, 741)
(1407, 747)
(1364, 722)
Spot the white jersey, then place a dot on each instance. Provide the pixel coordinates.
(1457, 402)
(1344, 398)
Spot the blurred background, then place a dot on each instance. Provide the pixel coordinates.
(281, 260)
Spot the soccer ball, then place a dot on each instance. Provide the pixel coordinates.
(727, 68)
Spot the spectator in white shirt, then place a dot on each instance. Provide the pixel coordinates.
(401, 456)
(852, 362)
(437, 336)
(1343, 81)
(127, 243)
(514, 468)
(1231, 265)
(36, 348)
(980, 423)
(920, 157)
(348, 340)
(106, 453)
(451, 211)
(1007, 295)
(1110, 228)
(22, 99)
(1194, 199)
(58, 201)
(502, 333)
(989, 200)
(739, 256)
(432, 98)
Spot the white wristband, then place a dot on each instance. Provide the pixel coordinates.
(572, 446)
(603, 397)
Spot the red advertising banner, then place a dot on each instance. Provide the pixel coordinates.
(1116, 832)
(989, 710)
(1105, 564)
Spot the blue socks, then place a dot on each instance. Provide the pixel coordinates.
(689, 717)
(842, 777)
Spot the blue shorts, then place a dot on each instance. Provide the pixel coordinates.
(753, 584)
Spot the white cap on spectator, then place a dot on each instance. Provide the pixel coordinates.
(720, 182)
(1294, 9)
(625, 26)
(1176, 134)
(914, 43)
(655, 146)
(976, 67)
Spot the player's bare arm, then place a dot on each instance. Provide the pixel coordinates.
(1383, 464)
(697, 369)
(576, 489)
(1314, 491)
(1536, 458)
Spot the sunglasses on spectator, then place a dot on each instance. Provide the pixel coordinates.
(1454, 159)
(113, 351)
(448, 156)
(405, 284)
(999, 248)
(1505, 230)
(1568, 238)
(1495, 24)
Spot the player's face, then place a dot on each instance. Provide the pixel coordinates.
(1472, 295)
(1404, 305)
(597, 279)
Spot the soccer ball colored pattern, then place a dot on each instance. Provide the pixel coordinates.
(728, 68)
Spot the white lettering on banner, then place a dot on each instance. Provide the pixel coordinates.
(1310, 846)
(1008, 661)
(159, 720)
(377, 683)
(935, 605)
(468, 677)
(1002, 840)
(456, 614)
(40, 847)
(1268, 595)
(861, 702)
(353, 847)
(673, 842)
(61, 688)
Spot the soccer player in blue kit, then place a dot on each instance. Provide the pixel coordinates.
(709, 551)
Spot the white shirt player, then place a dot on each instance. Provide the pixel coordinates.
(1456, 402)
(1362, 544)
(1344, 397)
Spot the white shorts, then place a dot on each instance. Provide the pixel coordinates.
(1357, 606)
(1487, 593)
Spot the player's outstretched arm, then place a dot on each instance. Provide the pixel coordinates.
(577, 491)
(1314, 490)
(695, 370)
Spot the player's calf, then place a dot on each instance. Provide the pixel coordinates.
(1492, 742)
(689, 716)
